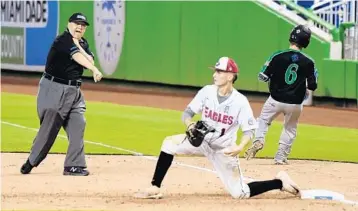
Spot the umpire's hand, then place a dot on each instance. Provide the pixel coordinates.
(97, 75)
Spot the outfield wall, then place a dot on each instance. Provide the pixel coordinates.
(339, 79)
(171, 42)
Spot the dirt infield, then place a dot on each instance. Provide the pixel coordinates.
(114, 179)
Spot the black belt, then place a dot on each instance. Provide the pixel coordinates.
(62, 81)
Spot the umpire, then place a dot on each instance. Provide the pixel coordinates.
(60, 102)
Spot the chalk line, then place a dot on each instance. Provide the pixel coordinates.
(148, 157)
(114, 147)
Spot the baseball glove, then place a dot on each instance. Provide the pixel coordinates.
(197, 133)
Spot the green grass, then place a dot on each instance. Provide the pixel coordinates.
(142, 129)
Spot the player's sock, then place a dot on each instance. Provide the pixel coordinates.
(257, 188)
(163, 164)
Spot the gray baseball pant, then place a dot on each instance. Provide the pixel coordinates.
(59, 105)
(270, 111)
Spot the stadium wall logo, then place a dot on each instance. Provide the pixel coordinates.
(109, 18)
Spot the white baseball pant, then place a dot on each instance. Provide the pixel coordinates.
(227, 168)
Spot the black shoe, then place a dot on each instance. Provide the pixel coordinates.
(75, 171)
(26, 167)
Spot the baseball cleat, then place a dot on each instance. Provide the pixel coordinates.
(288, 184)
(152, 192)
(251, 152)
(281, 162)
(26, 168)
(75, 171)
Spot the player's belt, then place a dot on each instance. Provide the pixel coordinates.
(76, 83)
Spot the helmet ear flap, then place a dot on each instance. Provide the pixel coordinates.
(306, 43)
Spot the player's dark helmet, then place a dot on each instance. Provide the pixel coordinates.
(301, 36)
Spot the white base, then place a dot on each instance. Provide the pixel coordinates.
(321, 194)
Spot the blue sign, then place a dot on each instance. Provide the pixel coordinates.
(28, 30)
(39, 40)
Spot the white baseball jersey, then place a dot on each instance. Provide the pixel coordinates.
(226, 117)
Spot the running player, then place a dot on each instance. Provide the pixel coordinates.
(290, 74)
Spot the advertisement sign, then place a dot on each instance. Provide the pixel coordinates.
(28, 29)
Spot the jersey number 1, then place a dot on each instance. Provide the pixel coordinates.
(291, 74)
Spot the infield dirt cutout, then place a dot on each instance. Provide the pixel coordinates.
(114, 179)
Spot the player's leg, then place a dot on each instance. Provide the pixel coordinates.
(75, 163)
(49, 101)
(269, 112)
(228, 169)
(289, 132)
(282, 181)
(229, 172)
(172, 145)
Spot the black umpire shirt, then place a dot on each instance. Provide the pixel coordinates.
(287, 73)
(59, 60)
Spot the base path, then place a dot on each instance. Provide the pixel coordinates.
(114, 180)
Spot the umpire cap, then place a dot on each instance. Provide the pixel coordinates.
(78, 18)
(300, 35)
